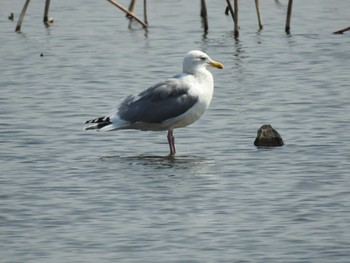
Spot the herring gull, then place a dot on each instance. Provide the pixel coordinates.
(174, 103)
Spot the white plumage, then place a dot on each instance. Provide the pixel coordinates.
(174, 103)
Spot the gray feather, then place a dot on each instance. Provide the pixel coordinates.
(158, 103)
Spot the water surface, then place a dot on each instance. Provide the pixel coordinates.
(68, 195)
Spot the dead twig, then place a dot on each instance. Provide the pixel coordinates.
(341, 31)
(125, 10)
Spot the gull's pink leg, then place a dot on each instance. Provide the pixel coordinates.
(171, 141)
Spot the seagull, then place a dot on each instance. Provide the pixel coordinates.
(174, 103)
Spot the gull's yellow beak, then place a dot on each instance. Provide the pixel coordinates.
(216, 64)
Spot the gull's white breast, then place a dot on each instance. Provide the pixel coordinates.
(202, 87)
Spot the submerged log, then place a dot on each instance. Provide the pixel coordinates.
(268, 137)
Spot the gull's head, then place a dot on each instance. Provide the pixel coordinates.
(196, 60)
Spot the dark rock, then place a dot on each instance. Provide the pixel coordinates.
(268, 137)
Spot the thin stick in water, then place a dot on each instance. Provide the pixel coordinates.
(289, 14)
(257, 4)
(229, 9)
(145, 11)
(20, 20)
(131, 7)
(46, 12)
(236, 27)
(204, 15)
(128, 12)
(341, 31)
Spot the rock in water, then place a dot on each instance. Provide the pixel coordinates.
(268, 137)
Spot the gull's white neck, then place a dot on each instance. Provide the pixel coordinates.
(203, 75)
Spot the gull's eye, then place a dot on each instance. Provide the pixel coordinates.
(202, 58)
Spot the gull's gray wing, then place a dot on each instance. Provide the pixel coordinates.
(158, 103)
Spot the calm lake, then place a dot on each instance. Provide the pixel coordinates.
(69, 195)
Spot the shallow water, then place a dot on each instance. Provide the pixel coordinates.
(68, 195)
